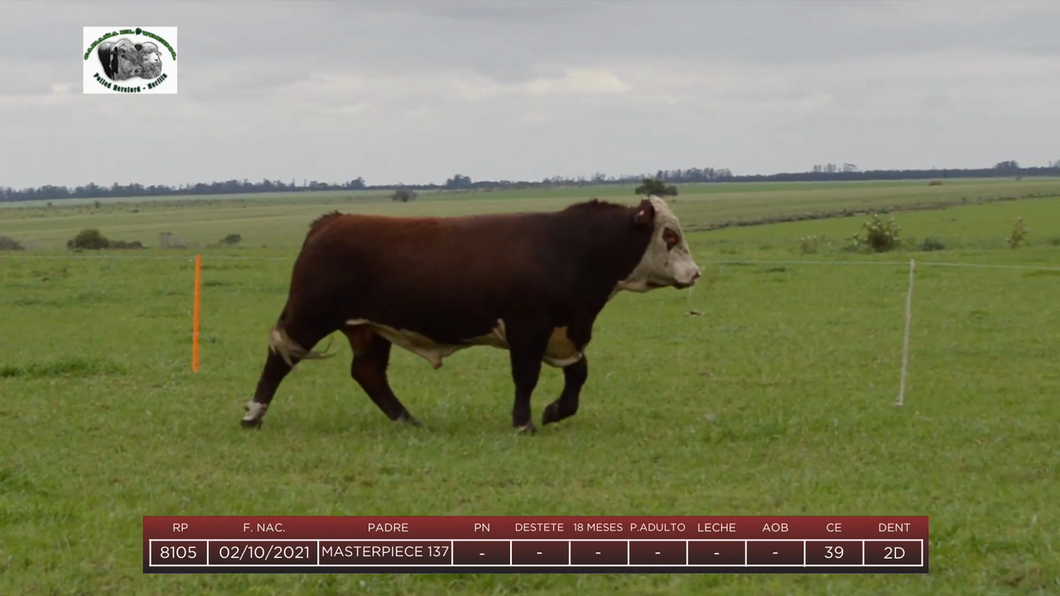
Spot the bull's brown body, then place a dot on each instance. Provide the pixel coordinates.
(532, 283)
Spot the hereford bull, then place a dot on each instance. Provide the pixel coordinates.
(530, 283)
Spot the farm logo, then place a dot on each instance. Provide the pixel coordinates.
(134, 60)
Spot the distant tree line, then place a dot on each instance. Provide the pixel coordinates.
(819, 173)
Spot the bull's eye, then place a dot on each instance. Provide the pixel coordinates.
(671, 238)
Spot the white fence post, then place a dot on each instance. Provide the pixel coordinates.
(905, 342)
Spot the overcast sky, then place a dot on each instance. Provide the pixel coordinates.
(415, 92)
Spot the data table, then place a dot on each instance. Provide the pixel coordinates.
(690, 544)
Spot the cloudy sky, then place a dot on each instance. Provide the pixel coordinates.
(418, 91)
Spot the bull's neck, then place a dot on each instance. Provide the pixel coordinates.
(610, 248)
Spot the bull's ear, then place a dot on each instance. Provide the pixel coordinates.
(644, 214)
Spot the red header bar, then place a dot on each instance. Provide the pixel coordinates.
(531, 527)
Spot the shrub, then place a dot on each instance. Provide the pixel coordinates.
(651, 186)
(404, 195)
(93, 239)
(1019, 234)
(813, 244)
(168, 240)
(931, 243)
(935, 183)
(9, 243)
(880, 235)
(88, 239)
(231, 240)
(119, 244)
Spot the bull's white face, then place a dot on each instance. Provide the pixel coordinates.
(667, 262)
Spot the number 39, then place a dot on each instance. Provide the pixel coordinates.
(833, 552)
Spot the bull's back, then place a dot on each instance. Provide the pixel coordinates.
(451, 278)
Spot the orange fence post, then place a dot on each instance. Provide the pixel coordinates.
(195, 316)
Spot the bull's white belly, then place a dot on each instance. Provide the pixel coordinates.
(561, 351)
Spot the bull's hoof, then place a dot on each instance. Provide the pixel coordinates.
(408, 419)
(255, 412)
(550, 415)
(527, 429)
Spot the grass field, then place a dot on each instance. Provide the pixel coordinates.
(776, 400)
(281, 221)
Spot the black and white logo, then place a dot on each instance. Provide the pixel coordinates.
(130, 60)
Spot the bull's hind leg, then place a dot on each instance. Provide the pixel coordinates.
(371, 356)
(574, 377)
(289, 344)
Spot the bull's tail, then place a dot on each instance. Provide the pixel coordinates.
(289, 350)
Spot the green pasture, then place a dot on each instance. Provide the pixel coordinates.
(768, 389)
(281, 221)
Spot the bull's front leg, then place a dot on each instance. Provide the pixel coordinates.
(527, 345)
(580, 334)
(574, 377)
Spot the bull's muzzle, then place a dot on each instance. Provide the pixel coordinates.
(691, 282)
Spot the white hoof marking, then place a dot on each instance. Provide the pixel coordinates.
(255, 410)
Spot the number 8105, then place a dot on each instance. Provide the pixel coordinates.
(177, 552)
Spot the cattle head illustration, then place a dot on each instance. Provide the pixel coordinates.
(150, 60)
(122, 59)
